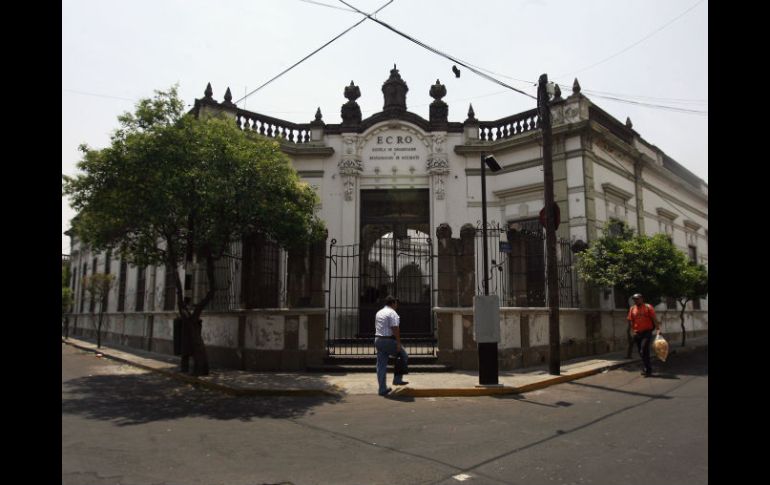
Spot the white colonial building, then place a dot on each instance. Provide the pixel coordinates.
(401, 198)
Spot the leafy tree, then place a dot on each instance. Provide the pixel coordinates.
(631, 263)
(650, 265)
(171, 187)
(98, 286)
(690, 282)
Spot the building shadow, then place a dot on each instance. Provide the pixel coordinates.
(142, 398)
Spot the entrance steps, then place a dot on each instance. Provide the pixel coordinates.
(368, 364)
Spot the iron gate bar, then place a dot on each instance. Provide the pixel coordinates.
(346, 278)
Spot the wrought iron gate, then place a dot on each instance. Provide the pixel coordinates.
(398, 263)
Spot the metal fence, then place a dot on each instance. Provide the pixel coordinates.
(354, 296)
(517, 266)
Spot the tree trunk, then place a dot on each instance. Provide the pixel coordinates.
(681, 319)
(200, 357)
(193, 346)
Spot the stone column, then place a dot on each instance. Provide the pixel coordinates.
(446, 267)
(438, 168)
(350, 169)
(466, 266)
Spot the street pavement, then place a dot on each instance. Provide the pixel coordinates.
(426, 384)
(130, 426)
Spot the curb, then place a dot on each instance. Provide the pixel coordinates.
(197, 382)
(400, 392)
(502, 390)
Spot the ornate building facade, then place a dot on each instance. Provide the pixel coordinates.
(401, 198)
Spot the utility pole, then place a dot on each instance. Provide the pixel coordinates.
(554, 357)
(486, 312)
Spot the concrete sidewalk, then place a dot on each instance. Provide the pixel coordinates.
(429, 384)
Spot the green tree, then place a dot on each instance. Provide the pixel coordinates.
(690, 282)
(172, 186)
(620, 259)
(98, 286)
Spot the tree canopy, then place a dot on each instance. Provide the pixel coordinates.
(172, 186)
(650, 265)
(195, 184)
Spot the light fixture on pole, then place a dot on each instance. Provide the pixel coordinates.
(486, 309)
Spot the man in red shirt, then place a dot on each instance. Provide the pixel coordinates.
(642, 318)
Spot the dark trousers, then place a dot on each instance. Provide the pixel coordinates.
(643, 341)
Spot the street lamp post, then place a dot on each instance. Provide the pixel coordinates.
(488, 367)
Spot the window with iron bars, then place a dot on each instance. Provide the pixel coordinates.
(140, 288)
(107, 268)
(92, 303)
(227, 280)
(122, 285)
(263, 273)
(169, 288)
(83, 287)
(518, 269)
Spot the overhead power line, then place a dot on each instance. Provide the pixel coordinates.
(632, 45)
(327, 5)
(652, 105)
(436, 51)
(313, 53)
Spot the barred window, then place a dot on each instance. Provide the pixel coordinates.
(140, 289)
(621, 299)
(261, 277)
(107, 266)
(526, 267)
(169, 297)
(693, 253)
(92, 304)
(122, 285)
(671, 303)
(83, 287)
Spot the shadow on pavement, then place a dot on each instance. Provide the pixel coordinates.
(142, 398)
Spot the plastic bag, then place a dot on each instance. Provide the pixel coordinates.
(661, 347)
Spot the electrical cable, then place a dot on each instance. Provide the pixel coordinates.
(632, 45)
(436, 51)
(311, 54)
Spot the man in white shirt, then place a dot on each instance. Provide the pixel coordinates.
(387, 341)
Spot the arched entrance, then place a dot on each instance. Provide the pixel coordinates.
(394, 257)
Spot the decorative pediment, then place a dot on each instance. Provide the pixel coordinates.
(691, 225)
(616, 191)
(526, 191)
(667, 214)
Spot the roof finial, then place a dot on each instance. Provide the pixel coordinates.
(576, 87)
(318, 115)
(208, 92)
(557, 93)
(628, 123)
(228, 95)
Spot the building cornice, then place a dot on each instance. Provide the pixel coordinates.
(533, 189)
(311, 174)
(303, 150)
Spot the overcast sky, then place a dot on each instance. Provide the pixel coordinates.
(645, 51)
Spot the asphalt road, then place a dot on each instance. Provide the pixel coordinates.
(121, 425)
